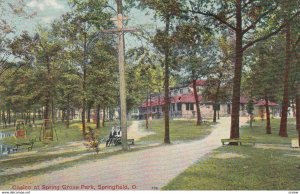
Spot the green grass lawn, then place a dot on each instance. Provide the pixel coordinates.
(180, 130)
(64, 135)
(258, 169)
(259, 131)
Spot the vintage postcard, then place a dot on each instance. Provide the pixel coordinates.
(149, 95)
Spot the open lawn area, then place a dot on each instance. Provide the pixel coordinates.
(270, 165)
(180, 130)
(64, 135)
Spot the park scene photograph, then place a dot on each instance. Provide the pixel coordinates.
(118, 95)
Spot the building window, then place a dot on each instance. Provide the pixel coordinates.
(179, 107)
(153, 109)
(181, 91)
(189, 106)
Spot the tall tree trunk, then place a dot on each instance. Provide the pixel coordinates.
(28, 116)
(84, 86)
(103, 118)
(83, 118)
(268, 126)
(88, 115)
(149, 121)
(285, 100)
(63, 116)
(298, 108)
(4, 118)
(215, 114)
(166, 84)
(15, 118)
(98, 116)
(34, 116)
(159, 102)
(39, 114)
(1, 119)
(199, 120)
(9, 115)
(68, 111)
(217, 99)
(147, 104)
(234, 129)
(47, 106)
(48, 92)
(53, 115)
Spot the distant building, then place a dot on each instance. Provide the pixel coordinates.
(183, 104)
(260, 110)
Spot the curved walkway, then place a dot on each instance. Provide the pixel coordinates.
(135, 133)
(145, 170)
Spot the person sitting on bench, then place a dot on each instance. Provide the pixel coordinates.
(112, 135)
(119, 133)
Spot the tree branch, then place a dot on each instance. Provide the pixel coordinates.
(259, 19)
(270, 34)
(216, 17)
(263, 38)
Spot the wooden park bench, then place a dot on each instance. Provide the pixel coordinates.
(29, 144)
(131, 141)
(239, 141)
(204, 122)
(118, 141)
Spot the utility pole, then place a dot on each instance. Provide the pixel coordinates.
(121, 49)
(121, 59)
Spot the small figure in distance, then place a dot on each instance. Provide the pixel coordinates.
(119, 132)
(112, 135)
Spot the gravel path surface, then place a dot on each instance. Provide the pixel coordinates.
(134, 131)
(144, 170)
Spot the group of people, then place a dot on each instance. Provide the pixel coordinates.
(114, 133)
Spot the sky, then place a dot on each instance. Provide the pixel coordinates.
(49, 10)
(46, 11)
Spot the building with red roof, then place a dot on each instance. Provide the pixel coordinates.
(260, 108)
(183, 104)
